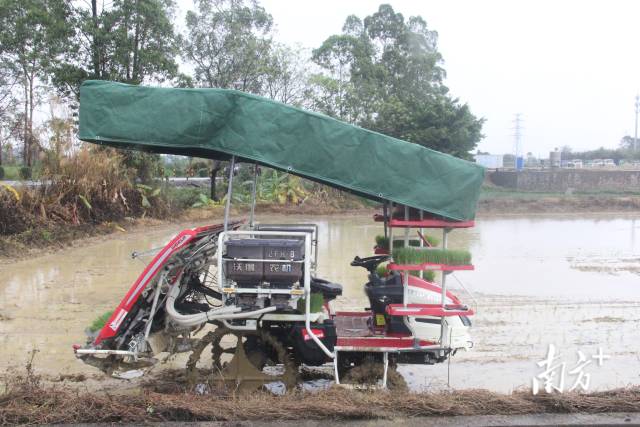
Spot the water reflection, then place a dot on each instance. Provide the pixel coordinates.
(53, 298)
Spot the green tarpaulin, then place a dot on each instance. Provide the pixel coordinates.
(217, 123)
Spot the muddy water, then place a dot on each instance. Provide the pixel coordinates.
(538, 281)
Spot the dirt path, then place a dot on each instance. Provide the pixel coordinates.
(610, 419)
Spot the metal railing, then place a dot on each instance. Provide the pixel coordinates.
(222, 281)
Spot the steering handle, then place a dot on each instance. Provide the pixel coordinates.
(369, 263)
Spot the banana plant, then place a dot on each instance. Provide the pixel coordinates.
(205, 202)
(147, 193)
(281, 188)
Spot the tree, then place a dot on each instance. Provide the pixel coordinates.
(285, 76)
(228, 42)
(627, 143)
(128, 41)
(384, 73)
(34, 33)
(8, 101)
(59, 132)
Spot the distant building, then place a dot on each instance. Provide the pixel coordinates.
(555, 158)
(489, 161)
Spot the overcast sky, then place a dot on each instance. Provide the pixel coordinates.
(572, 68)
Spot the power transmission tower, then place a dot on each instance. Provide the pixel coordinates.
(517, 135)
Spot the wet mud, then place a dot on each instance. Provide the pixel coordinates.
(528, 289)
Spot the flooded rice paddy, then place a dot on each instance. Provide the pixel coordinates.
(573, 283)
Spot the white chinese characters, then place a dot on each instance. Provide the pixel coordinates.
(555, 371)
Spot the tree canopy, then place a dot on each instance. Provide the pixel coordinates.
(128, 41)
(382, 72)
(385, 73)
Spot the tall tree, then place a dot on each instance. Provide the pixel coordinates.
(130, 41)
(33, 35)
(385, 73)
(8, 101)
(228, 42)
(285, 76)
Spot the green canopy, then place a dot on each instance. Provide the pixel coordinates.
(217, 123)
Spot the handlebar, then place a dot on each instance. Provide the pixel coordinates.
(369, 263)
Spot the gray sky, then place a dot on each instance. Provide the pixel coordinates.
(572, 68)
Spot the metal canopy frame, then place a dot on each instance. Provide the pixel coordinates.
(309, 244)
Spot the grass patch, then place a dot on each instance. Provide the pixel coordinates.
(432, 256)
(11, 173)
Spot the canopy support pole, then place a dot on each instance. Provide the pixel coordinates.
(227, 206)
(406, 229)
(253, 196)
(385, 212)
(443, 295)
(421, 239)
(390, 228)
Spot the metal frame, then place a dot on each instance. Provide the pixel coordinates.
(222, 280)
(405, 278)
(253, 195)
(227, 206)
(314, 237)
(307, 258)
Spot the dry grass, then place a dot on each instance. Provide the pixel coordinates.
(26, 401)
(90, 187)
(89, 190)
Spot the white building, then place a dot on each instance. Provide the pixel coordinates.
(489, 161)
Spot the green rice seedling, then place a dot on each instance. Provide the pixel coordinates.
(432, 256)
(383, 242)
(400, 243)
(100, 321)
(317, 301)
(381, 269)
(433, 241)
(428, 275)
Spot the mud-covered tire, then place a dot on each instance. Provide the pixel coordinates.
(370, 373)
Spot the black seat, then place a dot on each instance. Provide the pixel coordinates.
(383, 291)
(329, 290)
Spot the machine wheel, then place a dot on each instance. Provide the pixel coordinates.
(261, 359)
(371, 372)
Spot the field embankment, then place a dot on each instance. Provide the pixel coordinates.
(25, 400)
(499, 200)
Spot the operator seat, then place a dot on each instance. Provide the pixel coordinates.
(329, 290)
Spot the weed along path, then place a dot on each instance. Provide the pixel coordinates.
(531, 288)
